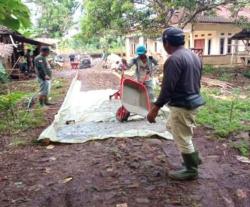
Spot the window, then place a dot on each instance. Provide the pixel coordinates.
(196, 35)
(203, 35)
(155, 46)
(222, 41)
(222, 34)
(229, 46)
(209, 34)
(209, 46)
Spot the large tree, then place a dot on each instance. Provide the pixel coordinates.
(14, 14)
(56, 17)
(145, 15)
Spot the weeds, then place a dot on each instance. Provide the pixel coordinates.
(243, 146)
(14, 115)
(224, 116)
(208, 69)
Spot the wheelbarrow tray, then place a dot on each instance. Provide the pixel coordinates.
(135, 97)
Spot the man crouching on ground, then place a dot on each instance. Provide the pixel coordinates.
(44, 75)
(181, 91)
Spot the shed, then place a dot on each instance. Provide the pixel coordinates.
(17, 41)
(243, 36)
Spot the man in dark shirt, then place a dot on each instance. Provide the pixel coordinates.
(181, 91)
(44, 75)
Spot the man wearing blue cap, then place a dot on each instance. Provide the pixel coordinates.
(181, 91)
(144, 69)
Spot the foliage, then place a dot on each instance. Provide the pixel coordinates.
(14, 14)
(8, 105)
(150, 16)
(101, 15)
(243, 146)
(4, 78)
(10, 100)
(208, 69)
(221, 73)
(224, 116)
(247, 74)
(94, 44)
(56, 16)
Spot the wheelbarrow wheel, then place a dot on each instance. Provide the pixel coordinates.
(122, 114)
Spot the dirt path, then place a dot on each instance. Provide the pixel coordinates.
(120, 171)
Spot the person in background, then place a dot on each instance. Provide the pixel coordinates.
(105, 55)
(23, 65)
(44, 75)
(181, 91)
(72, 58)
(145, 66)
(29, 60)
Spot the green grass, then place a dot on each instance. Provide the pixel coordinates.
(223, 74)
(224, 116)
(208, 69)
(21, 121)
(243, 146)
(14, 117)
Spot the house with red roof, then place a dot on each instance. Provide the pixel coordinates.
(210, 35)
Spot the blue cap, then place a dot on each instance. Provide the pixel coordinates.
(141, 50)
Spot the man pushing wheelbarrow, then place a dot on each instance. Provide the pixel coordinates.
(145, 66)
(137, 95)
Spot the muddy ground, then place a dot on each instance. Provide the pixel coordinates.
(118, 172)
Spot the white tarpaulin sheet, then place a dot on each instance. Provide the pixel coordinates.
(89, 115)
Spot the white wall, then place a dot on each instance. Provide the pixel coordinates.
(215, 32)
(199, 31)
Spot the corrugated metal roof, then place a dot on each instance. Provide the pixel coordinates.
(5, 30)
(18, 37)
(242, 35)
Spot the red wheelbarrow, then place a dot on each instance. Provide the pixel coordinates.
(134, 98)
(74, 65)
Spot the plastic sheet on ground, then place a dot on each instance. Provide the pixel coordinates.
(90, 115)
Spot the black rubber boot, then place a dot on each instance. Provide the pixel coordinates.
(190, 172)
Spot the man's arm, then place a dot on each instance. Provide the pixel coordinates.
(131, 63)
(172, 72)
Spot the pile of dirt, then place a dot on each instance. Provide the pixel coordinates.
(94, 80)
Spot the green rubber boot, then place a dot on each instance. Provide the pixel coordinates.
(41, 101)
(190, 172)
(199, 160)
